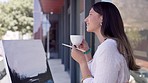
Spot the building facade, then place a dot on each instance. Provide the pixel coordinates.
(66, 17)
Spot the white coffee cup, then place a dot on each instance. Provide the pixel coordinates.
(76, 39)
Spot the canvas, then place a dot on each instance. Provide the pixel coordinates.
(26, 61)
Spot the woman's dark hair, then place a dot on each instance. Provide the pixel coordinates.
(112, 27)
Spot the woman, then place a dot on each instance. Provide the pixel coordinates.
(114, 56)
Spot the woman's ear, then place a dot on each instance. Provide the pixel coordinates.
(101, 18)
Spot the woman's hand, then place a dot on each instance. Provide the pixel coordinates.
(78, 56)
(84, 45)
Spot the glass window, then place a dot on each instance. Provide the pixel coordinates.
(82, 17)
(135, 18)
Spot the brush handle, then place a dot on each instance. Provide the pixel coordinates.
(71, 47)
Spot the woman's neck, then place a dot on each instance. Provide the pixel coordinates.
(100, 37)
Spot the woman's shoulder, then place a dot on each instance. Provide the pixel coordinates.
(108, 44)
(108, 49)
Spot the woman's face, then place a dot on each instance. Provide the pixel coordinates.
(93, 21)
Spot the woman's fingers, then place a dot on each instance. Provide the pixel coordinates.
(83, 45)
(73, 46)
(73, 50)
(77, 55)
(80, 46)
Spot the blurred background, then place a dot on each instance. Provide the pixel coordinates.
(52, 21)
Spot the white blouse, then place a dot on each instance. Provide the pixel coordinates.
(108, 65)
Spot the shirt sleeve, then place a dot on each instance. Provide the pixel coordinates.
(89, 64)
(106, 70)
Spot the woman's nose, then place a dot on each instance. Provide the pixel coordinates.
(85, 20)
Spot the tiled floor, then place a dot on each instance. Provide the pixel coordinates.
(58, 73)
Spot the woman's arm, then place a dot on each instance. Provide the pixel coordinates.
(85, 71)
(88, 57)
(79, 57)
(105, 68)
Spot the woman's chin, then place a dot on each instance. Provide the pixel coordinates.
(88, 30)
